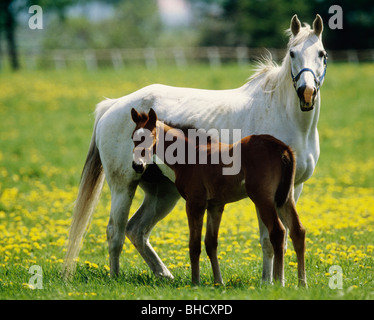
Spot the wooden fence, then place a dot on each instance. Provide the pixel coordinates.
(181, 57)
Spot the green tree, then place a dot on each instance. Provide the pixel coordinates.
(261, 23)
(253, 23)
(134, 24)
(358, 24)
(7, 28)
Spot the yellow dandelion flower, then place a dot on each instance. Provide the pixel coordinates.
(28, 286)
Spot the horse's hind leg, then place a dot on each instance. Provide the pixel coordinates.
(160, 198)
(211, 239)
(120, 205)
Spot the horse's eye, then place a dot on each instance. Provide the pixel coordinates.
(292, 54)
(321, 54)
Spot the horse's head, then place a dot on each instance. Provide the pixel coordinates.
(308, 60)
(144, 137)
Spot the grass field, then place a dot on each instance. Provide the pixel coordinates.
(46, 124)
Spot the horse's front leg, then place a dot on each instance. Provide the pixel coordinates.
(267, 251)
(195, 214)
(211, 240)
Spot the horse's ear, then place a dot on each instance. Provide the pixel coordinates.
(295, 25)
(318, 25)
(152, 117)
(135, 115)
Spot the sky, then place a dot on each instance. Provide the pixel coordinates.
(175, 12)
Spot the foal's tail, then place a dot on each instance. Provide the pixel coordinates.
(288, 176)
(90, 187)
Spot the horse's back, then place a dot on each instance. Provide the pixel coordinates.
(200, 108)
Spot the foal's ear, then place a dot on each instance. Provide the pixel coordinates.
(135, 115)
(318, 25)
(152, 117)
(295, 25)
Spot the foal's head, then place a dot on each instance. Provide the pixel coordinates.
(144, 137)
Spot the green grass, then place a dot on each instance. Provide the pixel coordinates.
(46, 126)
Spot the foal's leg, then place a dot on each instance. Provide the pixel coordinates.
(297, 234)
(276, 230)
(267, 248)
(195, 214)
(211, 239)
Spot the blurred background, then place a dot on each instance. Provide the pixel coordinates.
(115, 33)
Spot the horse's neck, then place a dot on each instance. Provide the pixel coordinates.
(286, 111)
(306, 122)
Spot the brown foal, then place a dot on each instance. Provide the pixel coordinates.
(266, 176)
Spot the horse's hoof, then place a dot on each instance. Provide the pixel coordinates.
(165, 275)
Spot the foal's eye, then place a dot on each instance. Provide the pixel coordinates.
(292, 54)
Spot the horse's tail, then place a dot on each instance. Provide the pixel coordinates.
(92, 180)
(285, 186)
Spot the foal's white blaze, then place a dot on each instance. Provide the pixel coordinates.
(140, 132)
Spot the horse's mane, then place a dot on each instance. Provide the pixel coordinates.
(273, 74)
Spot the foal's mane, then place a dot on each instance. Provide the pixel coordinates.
(185, 127)
(274, 75)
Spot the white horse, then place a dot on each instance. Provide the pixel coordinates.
(282, 101)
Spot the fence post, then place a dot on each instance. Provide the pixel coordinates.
(90, 58)
(180, 58)
(116, 59)
(150, 58)
(242, 55)
(214, 57)
(31, 62)
(59, 60)
(352, 56)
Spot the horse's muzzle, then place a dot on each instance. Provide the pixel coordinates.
(307, 96)
(138, 167)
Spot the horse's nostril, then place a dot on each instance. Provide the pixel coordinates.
(300, 92)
